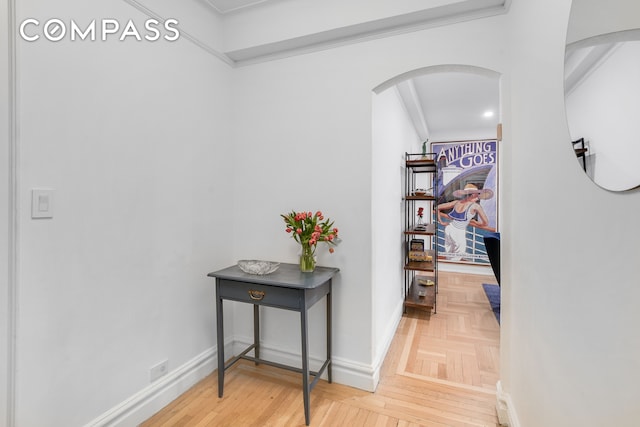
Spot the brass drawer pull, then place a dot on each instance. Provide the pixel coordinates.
(256, 295)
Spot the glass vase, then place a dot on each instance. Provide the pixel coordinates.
(307, 259)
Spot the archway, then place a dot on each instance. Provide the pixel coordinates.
(400, 123)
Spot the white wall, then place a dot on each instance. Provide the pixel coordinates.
(5, 210)
(290, 111)
(299, 150)
(393, 135)
(569, 353)
(466, 135)
(134, 138)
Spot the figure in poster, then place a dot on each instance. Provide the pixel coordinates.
(459, 214)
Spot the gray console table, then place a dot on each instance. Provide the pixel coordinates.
(286, 288)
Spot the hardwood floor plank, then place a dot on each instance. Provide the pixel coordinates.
(441, 370)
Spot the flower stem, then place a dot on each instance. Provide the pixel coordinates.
(307, 259)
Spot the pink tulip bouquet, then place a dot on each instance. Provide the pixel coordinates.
(308, 230)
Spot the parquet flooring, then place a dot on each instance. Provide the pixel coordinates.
(441, 370)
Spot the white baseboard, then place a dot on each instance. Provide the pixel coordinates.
(159, 394)
(151, 399)
(363, 377)
(483, 270)
(387, 338)
(506, 410)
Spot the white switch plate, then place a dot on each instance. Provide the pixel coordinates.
(42, 203)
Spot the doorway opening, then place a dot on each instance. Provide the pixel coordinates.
(443, 103)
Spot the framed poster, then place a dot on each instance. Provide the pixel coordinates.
(467, 192)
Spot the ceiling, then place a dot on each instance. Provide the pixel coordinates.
(225, 6)
(442, 105)
(453, 105)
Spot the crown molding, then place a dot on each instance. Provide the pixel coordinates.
(411, 101)
(183, 33)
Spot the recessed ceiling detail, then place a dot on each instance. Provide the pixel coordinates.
(449, 13)
(226, 6)
(303, 40)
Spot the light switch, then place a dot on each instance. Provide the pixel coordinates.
(41, 203)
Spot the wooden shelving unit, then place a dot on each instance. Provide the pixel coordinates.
(421, 277)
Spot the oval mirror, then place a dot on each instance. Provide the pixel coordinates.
(602, 90)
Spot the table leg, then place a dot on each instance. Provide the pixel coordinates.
(329, 329)
(220, 338)
(256, 331)
(305, 365)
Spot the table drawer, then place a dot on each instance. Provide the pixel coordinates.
(272, 296)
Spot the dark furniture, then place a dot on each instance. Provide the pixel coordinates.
(287, 288)
(492, 244)
(581, 151)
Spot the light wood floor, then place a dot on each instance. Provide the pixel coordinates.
(441, 370)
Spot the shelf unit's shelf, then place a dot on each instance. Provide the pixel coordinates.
(420, 164)
(430, 230)
(420, 296)
(420, 266)
(425, 198)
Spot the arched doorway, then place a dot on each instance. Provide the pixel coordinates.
(438, 103)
